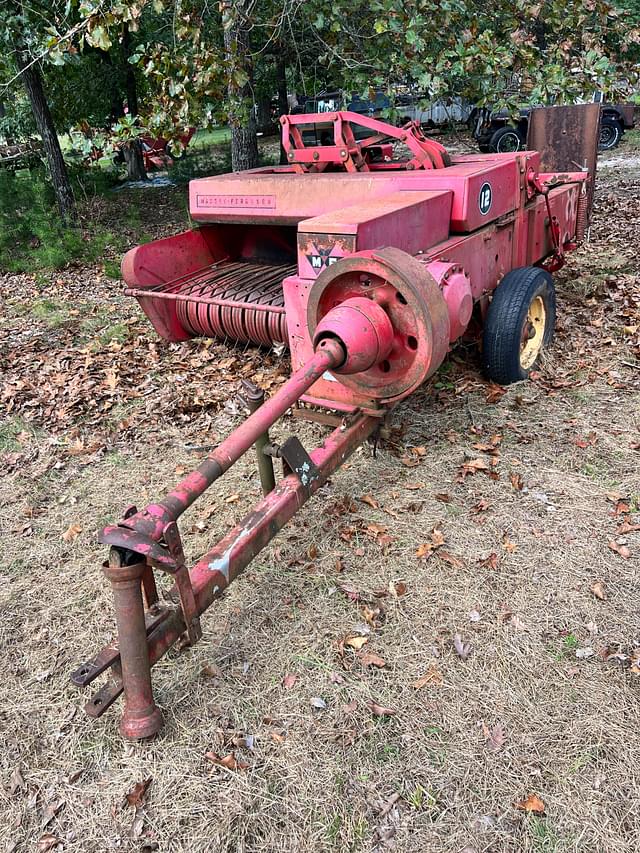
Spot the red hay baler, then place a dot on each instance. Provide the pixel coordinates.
(370, 259)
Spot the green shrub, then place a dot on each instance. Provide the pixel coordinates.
(200, 164)
(31, 234)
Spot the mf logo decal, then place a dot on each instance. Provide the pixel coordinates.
(321, 258)
(485, 198)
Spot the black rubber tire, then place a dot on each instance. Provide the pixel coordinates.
(504, 324)
(503, 136)
(610, 133)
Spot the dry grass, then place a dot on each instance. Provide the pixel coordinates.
(341, 778)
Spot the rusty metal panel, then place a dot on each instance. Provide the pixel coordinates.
(567, 139)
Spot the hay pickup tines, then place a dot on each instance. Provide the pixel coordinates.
(370, 268)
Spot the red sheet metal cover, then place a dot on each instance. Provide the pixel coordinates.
(412, 221)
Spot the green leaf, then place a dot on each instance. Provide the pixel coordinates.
(99, 37)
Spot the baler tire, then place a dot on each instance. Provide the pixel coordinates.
(509, 312)
(506, 140)
(610, 133)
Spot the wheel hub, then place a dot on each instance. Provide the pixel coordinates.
(533, 333)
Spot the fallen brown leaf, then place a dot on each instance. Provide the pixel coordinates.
(456, 562)
(289, 680)
(532, 803)
(72, 533)
(16, 782)
(627, 527)
(398, 588)
(432, 676)
(370, 500)
(229, 761)
(424, 550)
(356, 642)
(380, 710)
(619, 549)
(507, 544)
(277, 737)
(495, 737)
(371, 615)
(47, 842)
(471, 467)
(597, 589)
(491, 562)
(495, 392)
(437, 537)
(210, 670)
(112, 379)
(371, 659)
(50, 811)
(350, 591)
(136, 796)
(516, 481)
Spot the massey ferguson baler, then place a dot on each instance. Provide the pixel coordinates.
(370, 258)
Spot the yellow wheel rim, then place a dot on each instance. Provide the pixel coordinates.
(532, 333)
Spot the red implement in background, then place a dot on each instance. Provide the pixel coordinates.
(155, 150)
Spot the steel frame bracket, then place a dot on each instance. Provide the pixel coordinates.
(297, 461)
(183, 583)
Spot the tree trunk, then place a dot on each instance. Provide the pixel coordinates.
(130, 76)
(242, 120)
(263, 115)
(283, 101)
(132, 152)
(112, 81)
(32, 81)
(3, 111)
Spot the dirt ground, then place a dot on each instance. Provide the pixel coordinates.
(493, 704)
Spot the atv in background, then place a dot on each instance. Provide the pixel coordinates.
(499, 133)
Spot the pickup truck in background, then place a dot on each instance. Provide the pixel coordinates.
(498, 131)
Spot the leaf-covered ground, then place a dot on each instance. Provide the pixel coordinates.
(440, 653)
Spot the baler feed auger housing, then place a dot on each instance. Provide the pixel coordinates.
(370, 267)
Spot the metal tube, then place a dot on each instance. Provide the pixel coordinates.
(205, 300)
(153, 519)
(141, 717)
(254, 398)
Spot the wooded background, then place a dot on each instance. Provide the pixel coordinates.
(176, 64)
